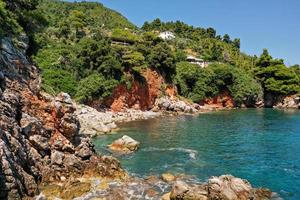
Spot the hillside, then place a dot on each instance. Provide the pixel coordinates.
(94, 49)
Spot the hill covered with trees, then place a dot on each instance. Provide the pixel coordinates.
(87, 50)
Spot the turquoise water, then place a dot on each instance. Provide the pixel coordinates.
(260, 145)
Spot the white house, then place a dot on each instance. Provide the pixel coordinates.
(197, 61)
(167, 35)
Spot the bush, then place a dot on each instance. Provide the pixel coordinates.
(95, 86)
(124, 35)
(57, 80)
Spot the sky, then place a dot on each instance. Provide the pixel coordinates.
(271, 24)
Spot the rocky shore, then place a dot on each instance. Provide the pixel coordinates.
(181, 187)
(94, 122)
(39, 134)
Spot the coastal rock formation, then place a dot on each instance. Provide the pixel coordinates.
(39, 140)
(292, 102)
(181, 190)
(124, 145)
(140, 96)
(225, 187)
(93, 122)
(223, 100)
(174, 105)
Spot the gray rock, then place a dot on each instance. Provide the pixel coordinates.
(40, 143)
(64, 98)
(57, 158)
(183, 191)
(229, 187)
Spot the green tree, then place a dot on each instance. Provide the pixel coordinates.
(94, 86)
(162, 58)
(226, 38)
(211, 32)
(237, 43)
(57, 80)
(279, 80)
(265, 59)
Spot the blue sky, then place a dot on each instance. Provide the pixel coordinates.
(272, 24)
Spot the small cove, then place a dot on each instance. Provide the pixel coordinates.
(260, 145)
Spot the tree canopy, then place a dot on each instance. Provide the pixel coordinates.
(86, 50)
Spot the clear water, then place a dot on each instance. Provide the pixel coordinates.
(260, 145)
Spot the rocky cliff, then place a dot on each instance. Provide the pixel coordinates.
(39, 139)
(141, 95)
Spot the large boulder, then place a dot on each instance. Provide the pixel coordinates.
(229, 188)
(225, 187)
(289, 102)
(124, 145)
(183, 191)
(175, 105)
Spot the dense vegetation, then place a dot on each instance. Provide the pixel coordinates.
(86, 50)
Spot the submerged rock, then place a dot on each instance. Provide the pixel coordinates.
(167, 177)
(124, 145)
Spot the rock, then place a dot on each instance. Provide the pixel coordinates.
(151, 193)
(69, 125)
(224, 187)
(183, 191)
(57, 158)
(41, 196)
(124, 145)
(229, 187)
(166, 196)
(84, 150)
(72, 161)
(262, 194)
(31, 125)
(167, 177)
(289, 102)
(64, 98)
(74, 190)
(40, 143)
(175, 105)
(39, 140)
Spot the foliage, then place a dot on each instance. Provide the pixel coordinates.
(275, 77)
(199, 83)
(57, 80)
(124, 35)
(8, 23)
(75, 45)
(94, 85)
(163, 59)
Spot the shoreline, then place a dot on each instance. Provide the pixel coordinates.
(101, 185)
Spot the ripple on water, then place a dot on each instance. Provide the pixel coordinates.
(261, 146)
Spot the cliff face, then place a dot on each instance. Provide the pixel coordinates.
(39, 139)
(223, 100)
(140, 96)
